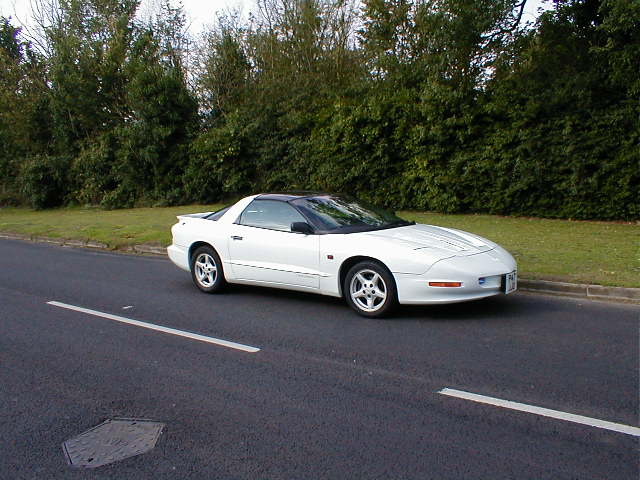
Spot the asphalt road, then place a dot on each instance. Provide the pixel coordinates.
(329, 395)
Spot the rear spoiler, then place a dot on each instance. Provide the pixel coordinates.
(193, 215)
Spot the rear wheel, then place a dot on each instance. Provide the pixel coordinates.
(206, 270)
(369, 289)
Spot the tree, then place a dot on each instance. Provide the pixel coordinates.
(224, 68)
(24, 108)
(89, 44)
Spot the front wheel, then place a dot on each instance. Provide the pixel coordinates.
(206, 270)
(370, 289)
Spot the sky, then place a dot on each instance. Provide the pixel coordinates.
(200, 12)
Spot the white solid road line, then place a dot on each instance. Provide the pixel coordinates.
(545, 412)
(158, 328)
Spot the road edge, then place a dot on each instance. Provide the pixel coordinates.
(581, 290)
(547, 287)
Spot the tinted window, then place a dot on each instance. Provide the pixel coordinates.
(345, 215)
(270, 214)
(218, 214)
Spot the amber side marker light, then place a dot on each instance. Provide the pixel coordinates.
(445, 284)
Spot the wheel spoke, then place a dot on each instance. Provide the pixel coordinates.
(379, 294)
(361, 279)
(370, 302)
(375, 279)
(360, 293)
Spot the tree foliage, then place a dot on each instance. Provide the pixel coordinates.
(117, 115)
(447, 105)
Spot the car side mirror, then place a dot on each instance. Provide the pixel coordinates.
(302, 227)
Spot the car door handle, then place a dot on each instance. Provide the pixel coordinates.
(235, 237)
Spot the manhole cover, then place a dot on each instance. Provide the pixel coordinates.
(111, 441)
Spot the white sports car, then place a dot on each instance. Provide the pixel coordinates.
(334, 245)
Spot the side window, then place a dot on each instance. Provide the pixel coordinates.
(217, 215)
(270, 214)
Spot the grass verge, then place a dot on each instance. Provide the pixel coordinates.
(604, 253)
(116, 228)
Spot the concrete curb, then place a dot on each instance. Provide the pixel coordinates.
(150, 249)
(581, 290)
(78, 243)
(576, 290)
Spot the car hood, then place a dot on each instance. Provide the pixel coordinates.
(419, 236)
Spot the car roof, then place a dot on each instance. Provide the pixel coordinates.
(288, 196)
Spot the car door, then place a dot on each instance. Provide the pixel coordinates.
(263, 249)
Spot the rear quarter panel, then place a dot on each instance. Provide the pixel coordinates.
(189, 231)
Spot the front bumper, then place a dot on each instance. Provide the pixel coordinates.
(482, 275)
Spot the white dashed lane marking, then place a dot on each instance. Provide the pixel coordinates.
(545, 412)
(158, 328)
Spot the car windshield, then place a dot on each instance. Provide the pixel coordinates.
(345, 215)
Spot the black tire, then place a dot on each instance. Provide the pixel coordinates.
(207, 280)
(370, 303)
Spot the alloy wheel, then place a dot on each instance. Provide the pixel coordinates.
(205, 270)
(368, 290)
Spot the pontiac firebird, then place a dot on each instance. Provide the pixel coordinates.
(335, 245)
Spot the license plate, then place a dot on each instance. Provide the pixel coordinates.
(511, 282)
